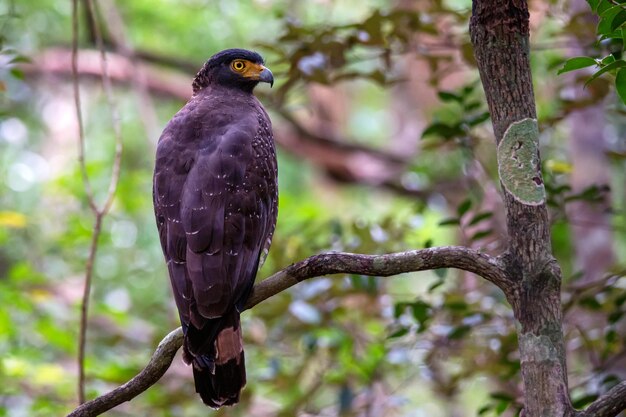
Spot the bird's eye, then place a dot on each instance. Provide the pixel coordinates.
(238, 65)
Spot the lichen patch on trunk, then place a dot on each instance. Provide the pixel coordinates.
(537, 349)
(518, 162)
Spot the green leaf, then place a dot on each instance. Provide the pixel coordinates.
(441, 272)
(606, 19)
(620, 300)
(456, 305)
(20, 59)
(472, 105)
(450, 222)
(17, 73)
(618, 20)
(459, 331)
(609, 59)
(610, 381)
(463, 207)
(501, 407)
(590, 303)
(480, 217)
(468, 89)
(603, 7)
(481, 234)
(611, 336)
(398, 333)
(444, 130)
(593, 4)
(620, 83)
(584, 400)
(615, 316)
(449, 96)
(399, 309)
(501, 396)
(437, 284)
(485, 409)
(476, 120)
(421, 311)
(610, 67)
(577, 63)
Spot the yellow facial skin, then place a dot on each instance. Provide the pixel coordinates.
(246, 68)
(249, 69)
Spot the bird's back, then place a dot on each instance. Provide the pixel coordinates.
(216, 203)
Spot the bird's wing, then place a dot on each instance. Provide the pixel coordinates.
(170, 174)
(226, 212)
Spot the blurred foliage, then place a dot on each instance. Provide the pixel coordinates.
(612, 37)
(438, 343)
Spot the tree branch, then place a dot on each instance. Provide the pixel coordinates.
(609, 405)
(386, 265)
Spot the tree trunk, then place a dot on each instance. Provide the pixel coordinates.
(500, 35)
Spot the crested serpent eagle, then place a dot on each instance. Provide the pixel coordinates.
(216, 201)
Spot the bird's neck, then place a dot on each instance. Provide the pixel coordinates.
(230, 90)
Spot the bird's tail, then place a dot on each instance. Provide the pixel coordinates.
(216, 354)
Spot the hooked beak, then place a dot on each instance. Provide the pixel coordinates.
(266, 76)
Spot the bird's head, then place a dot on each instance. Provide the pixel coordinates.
(236, 68)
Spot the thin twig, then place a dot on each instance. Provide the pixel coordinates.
(115, 117)
(90, 199)
(609, 405)
(84, 307)
(79, 115)
(386, 265)
(99, 212)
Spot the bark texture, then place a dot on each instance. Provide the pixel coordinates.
(381, 265)
(500, 35)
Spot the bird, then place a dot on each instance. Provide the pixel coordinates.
(215, 193)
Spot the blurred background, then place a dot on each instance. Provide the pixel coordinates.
(385, 144)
